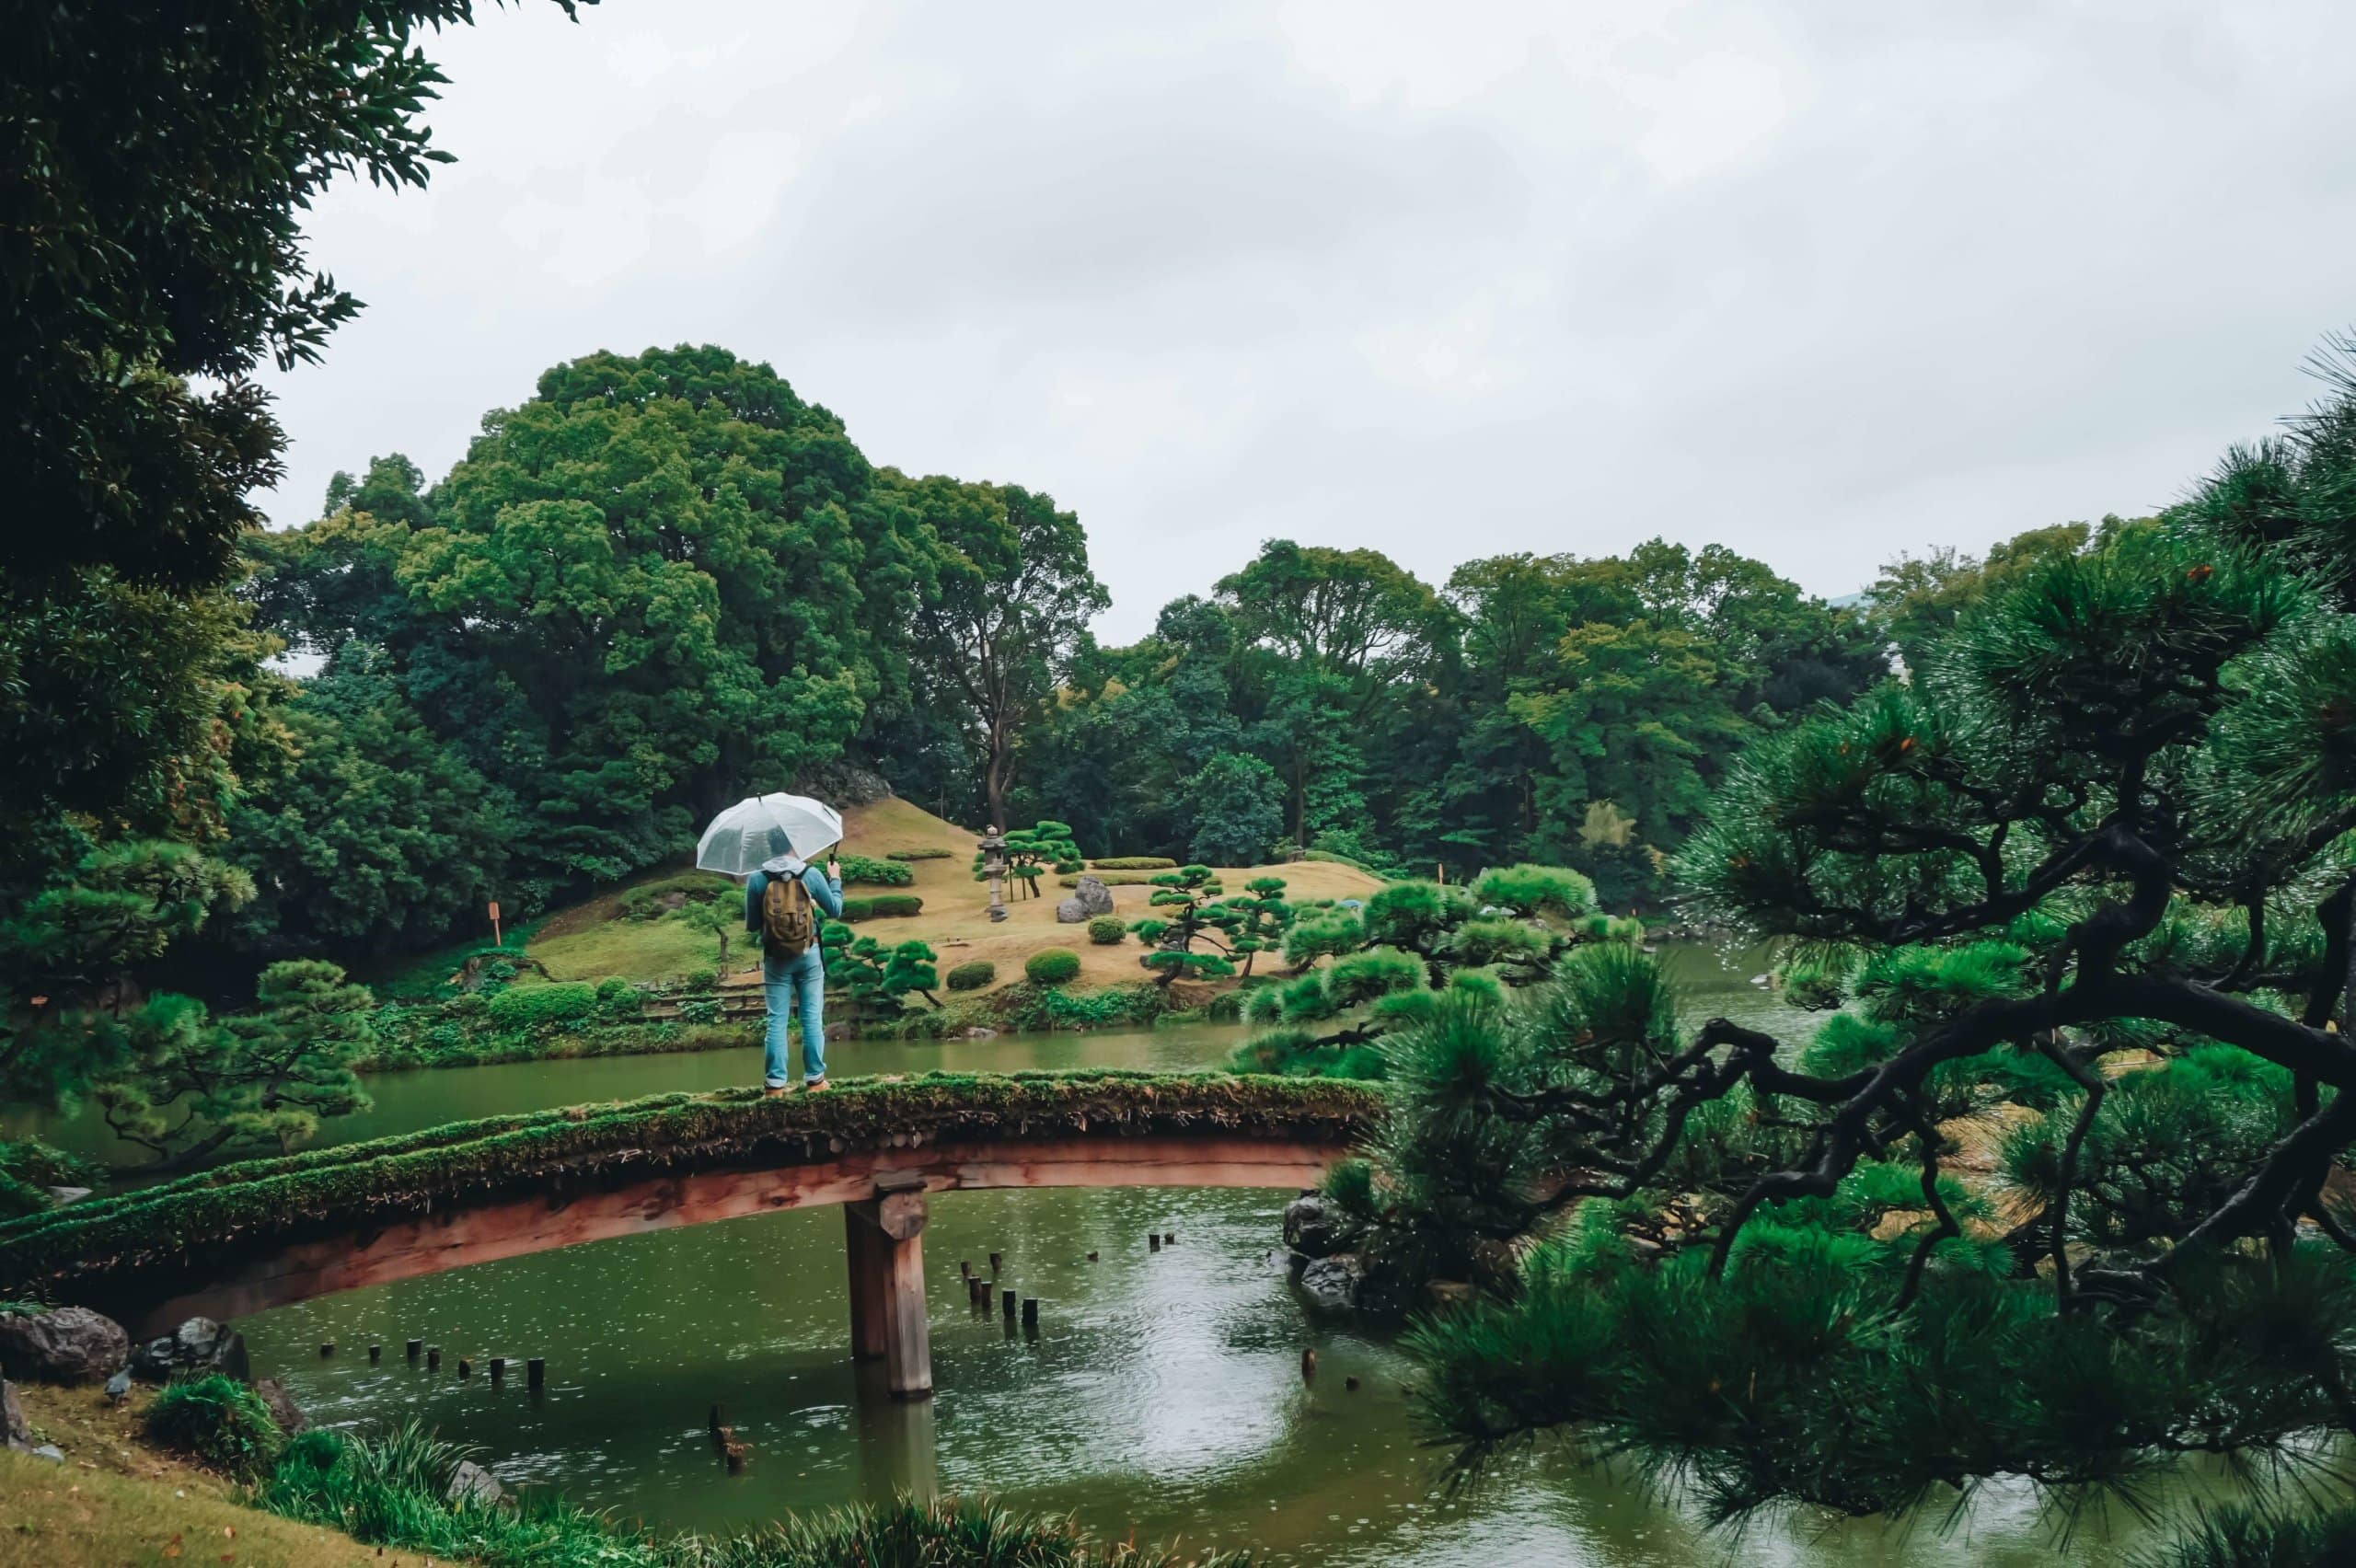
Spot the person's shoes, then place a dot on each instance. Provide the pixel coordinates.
(816, 1086)
(778, 1092)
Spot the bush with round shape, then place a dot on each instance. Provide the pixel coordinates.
(1527, 890)
(525, 1007)
(865, 870)
(972, 974)
(220, 1422)
(1052, 966)
(1107, 930)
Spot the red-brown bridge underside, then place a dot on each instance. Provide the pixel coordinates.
(513, 1227)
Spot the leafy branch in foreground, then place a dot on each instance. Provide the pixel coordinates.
(2053, 1196)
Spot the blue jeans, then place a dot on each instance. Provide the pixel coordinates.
(803, 980)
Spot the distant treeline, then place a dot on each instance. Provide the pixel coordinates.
(668, 580)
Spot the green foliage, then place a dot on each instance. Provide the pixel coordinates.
(1132, 863)
(1534, 889)
(883, 906)
(865, 870)
(220, 1422)
(2282, 1534)
(1237, 805)
(1323, 935)
(262, 1078)
(1108, 930)
(1253, 921)
(1052, 966)
(29, 1168)
(972, 974)
(930, 852)
(528, 1006)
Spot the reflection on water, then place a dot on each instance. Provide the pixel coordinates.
(1164, 1393)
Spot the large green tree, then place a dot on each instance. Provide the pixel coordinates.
(1005, 594)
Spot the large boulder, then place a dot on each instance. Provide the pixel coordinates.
(1093, 896)
(197, 1346)
(1314, 1229)
(72, 1345)
(471, 1484)
(1332, 1283)
(1071, 911)
(282, 1408)
(15, 1432)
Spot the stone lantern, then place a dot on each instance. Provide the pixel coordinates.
(993, 846)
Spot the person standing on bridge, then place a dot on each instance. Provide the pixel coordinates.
(782, 900)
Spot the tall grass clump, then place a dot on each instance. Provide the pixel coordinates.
(220, 1422)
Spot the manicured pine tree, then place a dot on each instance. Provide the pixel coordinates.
(2090, 868)
(1187, 896)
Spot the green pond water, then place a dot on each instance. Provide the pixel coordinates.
(1163, 1394)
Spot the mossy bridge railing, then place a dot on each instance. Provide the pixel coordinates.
(265, 1232)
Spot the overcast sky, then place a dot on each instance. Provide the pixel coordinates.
(1823, 281)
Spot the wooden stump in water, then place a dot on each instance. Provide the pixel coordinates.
(466, 1367)
(434, 1359)
(376, 1354)
(326, 1349)
(1006, 1303)
(998, 1262)
(498, 1368)
(1152, 1241)
(535, 1373)
(414, 1347)
(1308, 1363)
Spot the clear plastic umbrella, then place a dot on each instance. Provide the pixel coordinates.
(745, 834)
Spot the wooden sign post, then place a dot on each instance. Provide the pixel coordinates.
(494, 923)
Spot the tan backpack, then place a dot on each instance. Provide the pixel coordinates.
(789, 924)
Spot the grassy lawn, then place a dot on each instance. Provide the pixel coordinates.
(116, 1503)
(591, 940)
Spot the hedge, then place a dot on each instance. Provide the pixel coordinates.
(128, 1246)
(1052, 966)
(972, 974)
(1114, 879)
(1106, 931)
(933, 854)
(866, 871)
(883, 906)
(1134, 863)
(521, 1006)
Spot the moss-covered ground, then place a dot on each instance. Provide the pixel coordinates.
(116, 1501)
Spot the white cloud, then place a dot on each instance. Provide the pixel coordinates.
(1819, 281)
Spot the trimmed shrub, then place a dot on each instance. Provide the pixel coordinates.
(1114, 879)
(702, 979)
(883, 906)
(932, 853)
(866, 871)
(1106, 931)
(220, 1422)
(972, 974)
(528, 1006)
(1526, 889)
(1052, 966)
(617, 999)
(1132, 863)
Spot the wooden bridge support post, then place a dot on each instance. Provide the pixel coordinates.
(885, 1240)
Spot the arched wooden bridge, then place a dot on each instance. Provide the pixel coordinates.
(268, 1232)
